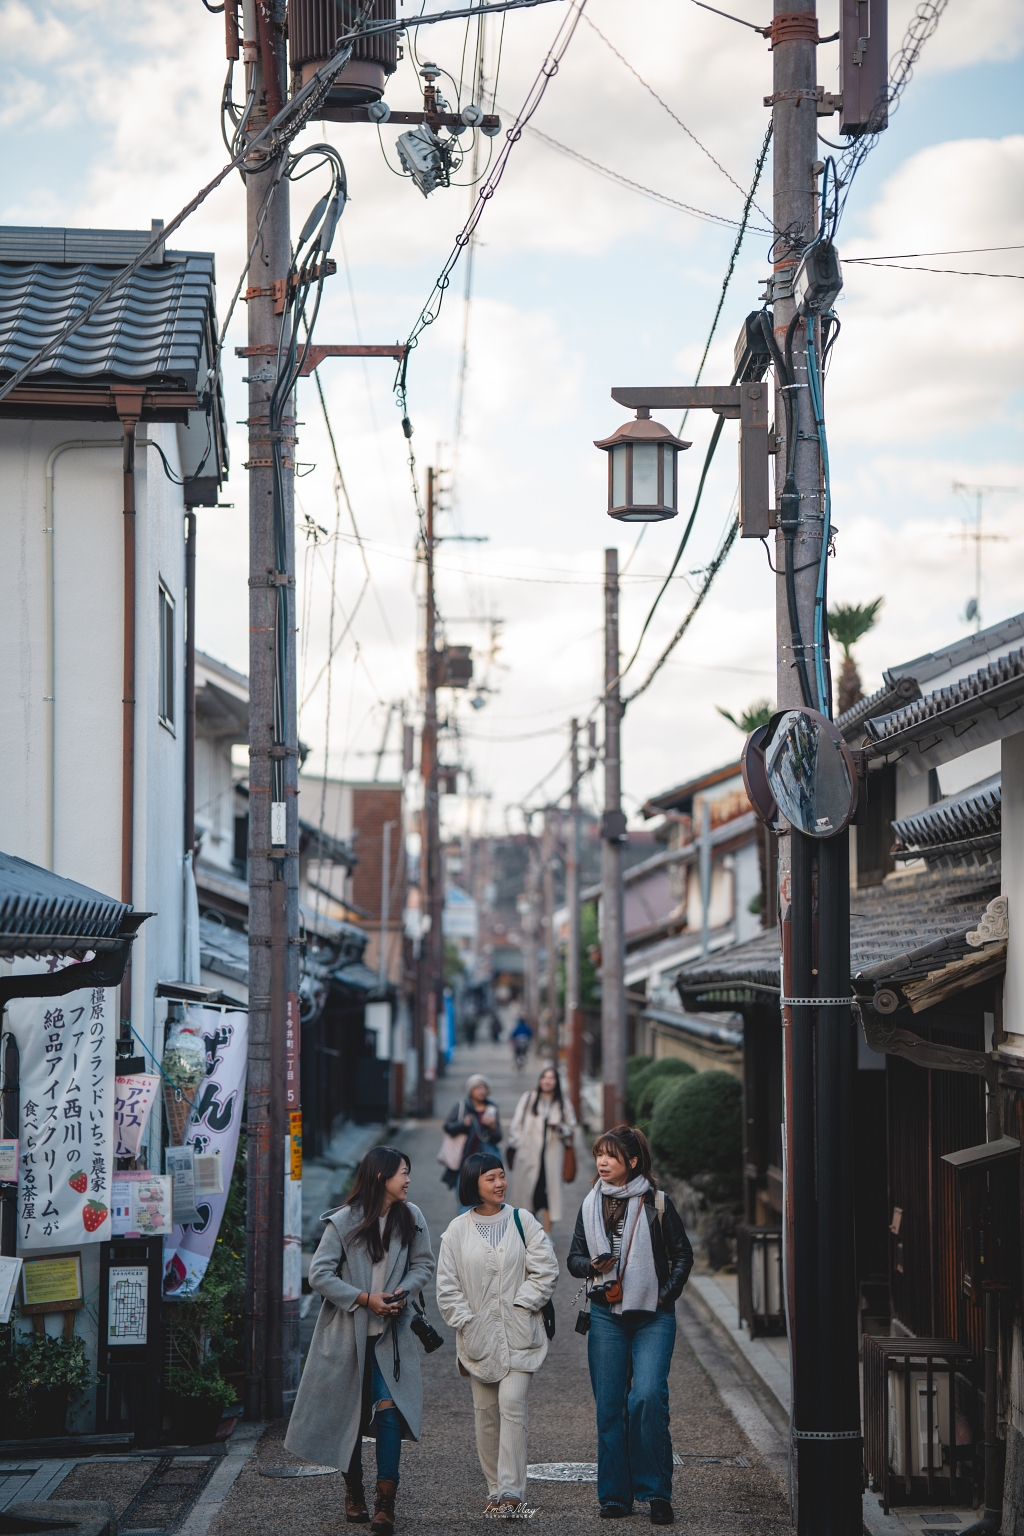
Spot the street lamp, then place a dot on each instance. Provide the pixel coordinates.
(642, 470)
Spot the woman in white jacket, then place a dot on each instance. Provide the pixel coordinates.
(495, 1272)
(542, 1127)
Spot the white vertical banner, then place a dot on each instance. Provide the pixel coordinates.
(66, 1046)
(214, 1126)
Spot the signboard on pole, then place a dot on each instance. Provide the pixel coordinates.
(133, 1100)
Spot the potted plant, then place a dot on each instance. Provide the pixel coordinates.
(197, 1400)
(39, 1375)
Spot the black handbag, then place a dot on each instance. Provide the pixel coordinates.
(547, 1311)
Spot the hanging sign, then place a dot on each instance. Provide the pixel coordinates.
(66, 1047)
(213, 1127)
(133, 1100)
(9, 1161)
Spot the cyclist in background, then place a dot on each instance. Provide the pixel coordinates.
(521, 1036)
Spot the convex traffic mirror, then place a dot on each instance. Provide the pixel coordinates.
(810, 772)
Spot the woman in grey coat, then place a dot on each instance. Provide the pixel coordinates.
(362, 1373)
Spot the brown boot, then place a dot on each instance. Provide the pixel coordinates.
(356, 1512)
(383, 1521)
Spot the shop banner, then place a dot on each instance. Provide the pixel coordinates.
(66, 1046)
(213, 1126)
(133, 1100)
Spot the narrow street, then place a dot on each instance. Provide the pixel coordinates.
(722, 1484)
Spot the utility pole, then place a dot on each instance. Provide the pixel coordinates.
(272, 1360)
(430, 998)
(549, 1017)
(979, 492)
(613, 835)
(527, 906)
(817, 1056)
(573, 1011)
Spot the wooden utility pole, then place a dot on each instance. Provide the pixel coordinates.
(573, 1011)
(613, 835)
(272, 1360)
(430, 991)
(528, 909)
(817, 1056)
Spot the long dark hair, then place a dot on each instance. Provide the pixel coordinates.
(556, 1095)
(368, 1193)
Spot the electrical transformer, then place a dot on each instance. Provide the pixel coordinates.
(314, 27)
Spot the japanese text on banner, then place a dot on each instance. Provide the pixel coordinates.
(66, 1045)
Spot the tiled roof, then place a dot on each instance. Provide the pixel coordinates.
(894, 692)
(42, 913)
(964, 825)
(982, 707)
(905, 928)
(156, 329)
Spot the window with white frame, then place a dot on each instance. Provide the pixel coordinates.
(165, 704)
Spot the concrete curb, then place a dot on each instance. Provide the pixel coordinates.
(240, 1448)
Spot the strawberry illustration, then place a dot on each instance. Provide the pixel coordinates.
(94, 1215)
(79, 1183)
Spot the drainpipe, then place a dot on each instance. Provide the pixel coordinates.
(190, 681)
(129, 409)
(50, 639)
(992, 1519)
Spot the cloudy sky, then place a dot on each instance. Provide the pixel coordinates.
(110, 116)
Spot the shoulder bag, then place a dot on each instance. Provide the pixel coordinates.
(547, 1311)
(452, 1147)
(613, 1292)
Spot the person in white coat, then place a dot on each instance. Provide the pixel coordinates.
(495, 1273)
(542, 1127)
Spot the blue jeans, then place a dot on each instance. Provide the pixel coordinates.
(629, 1358)
(387, 1425)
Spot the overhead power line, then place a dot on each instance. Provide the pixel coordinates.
(636, 186)
(901, 266)
(675, 118)
(709, 576)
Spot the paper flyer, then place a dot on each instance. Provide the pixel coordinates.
(141, 1204)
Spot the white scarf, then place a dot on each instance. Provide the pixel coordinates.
(640, 1277)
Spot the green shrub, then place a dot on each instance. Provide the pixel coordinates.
(635, 1065)
(697, 1129)
(650, 1084)
(206, 1385)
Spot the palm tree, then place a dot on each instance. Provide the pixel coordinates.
(848, 623)
(754, 715)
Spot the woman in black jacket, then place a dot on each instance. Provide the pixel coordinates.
(476, 1118)
(630, 1242)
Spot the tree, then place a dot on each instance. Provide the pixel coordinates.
(848, 623)
(755, 715)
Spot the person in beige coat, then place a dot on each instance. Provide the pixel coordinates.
(543, 1126)
(496, 1270)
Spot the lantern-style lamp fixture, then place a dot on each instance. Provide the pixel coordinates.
(642, 470)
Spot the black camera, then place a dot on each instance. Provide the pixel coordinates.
(583, 1322)
(426, 1333)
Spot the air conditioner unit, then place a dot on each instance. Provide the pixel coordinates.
(918, 1423)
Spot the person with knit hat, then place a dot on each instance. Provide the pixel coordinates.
(475, 1121)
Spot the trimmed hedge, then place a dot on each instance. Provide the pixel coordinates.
(651, 1084)
(697, 1129)
(635, 1067)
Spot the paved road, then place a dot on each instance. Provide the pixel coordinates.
(723, 1486)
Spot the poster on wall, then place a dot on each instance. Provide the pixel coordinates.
(213, 1127)
(141, 1204)
(66, 1046)
(133, 1100)
(127, 1303)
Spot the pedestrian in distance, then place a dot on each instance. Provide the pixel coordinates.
(362, 1373)
(474, 1125)
(520, 1037)
(541, 1133)
(631, 1244)
(496, 1272)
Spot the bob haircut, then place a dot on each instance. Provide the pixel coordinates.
(628, 1142)
(469, 1175)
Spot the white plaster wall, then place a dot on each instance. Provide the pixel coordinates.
(88, 544)
(215, 802)
(747, 879)
(1013, 885)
